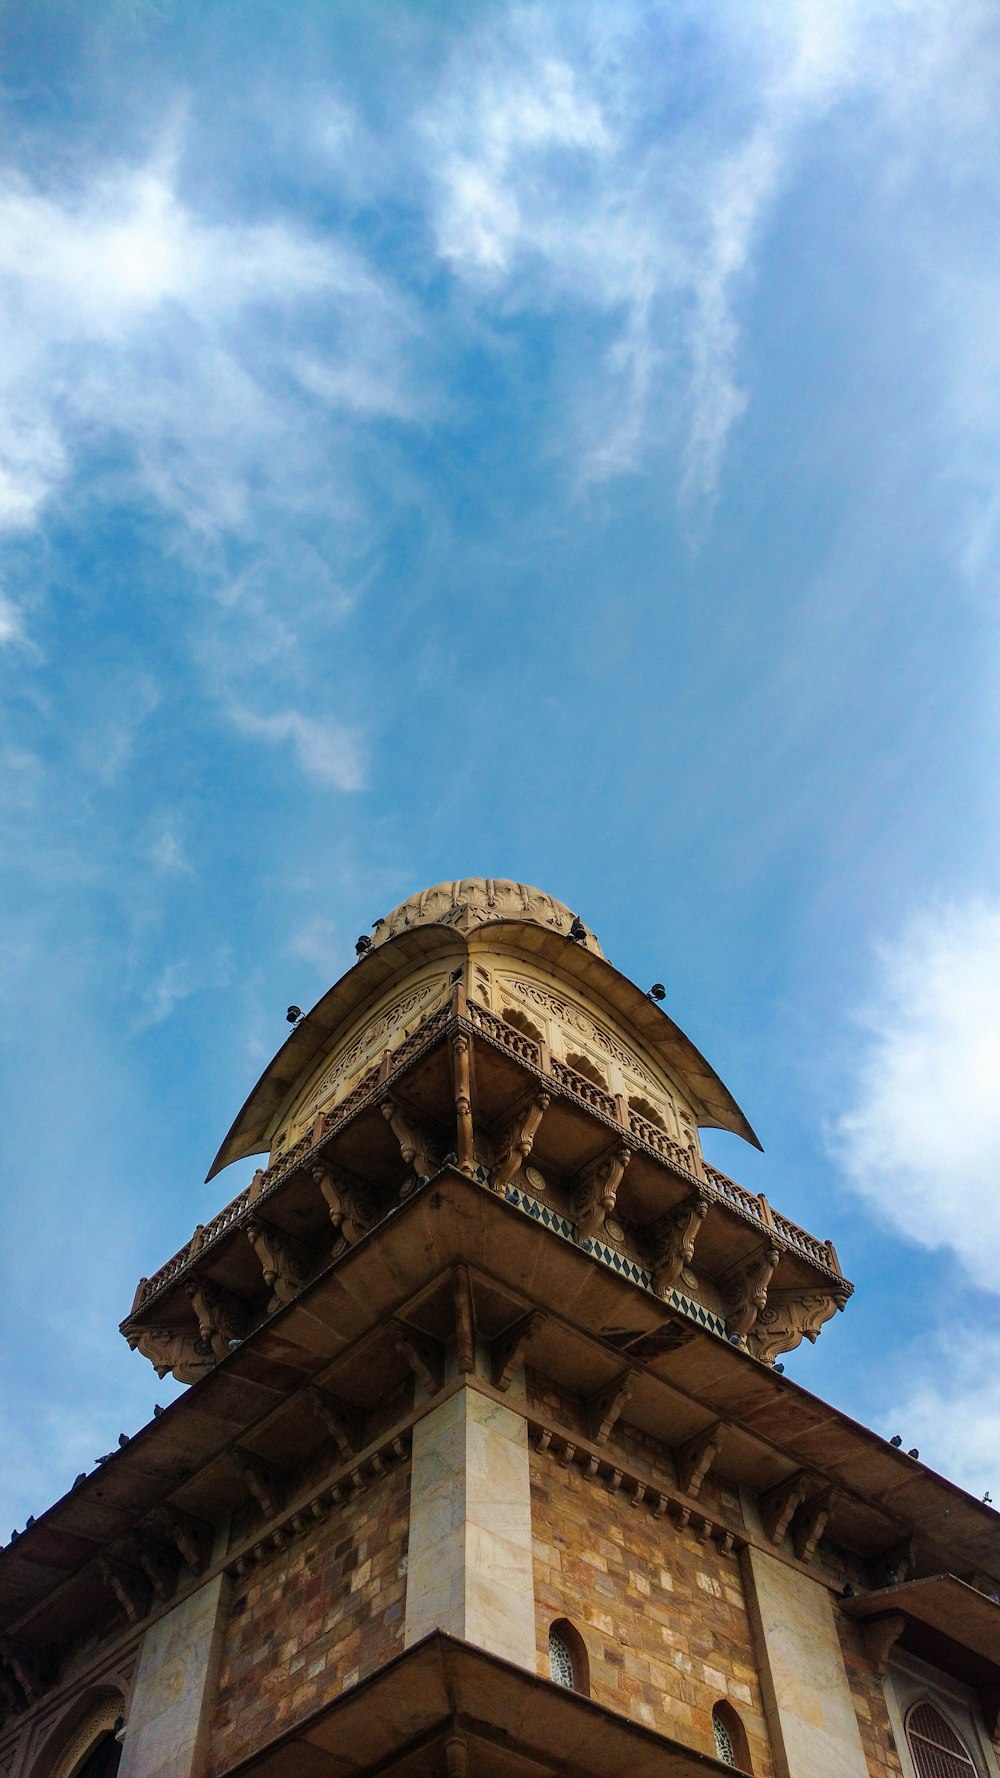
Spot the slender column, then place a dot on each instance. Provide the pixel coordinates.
(170, 1713)
(470, 1567)
(464, 1144)
(804, 1684)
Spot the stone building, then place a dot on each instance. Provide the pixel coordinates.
(488, 1464)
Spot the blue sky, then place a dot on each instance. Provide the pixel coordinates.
(551, 441)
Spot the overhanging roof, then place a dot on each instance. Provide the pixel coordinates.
(947, 1609)
(513, 1724)
(250, 1398)
(362, 985)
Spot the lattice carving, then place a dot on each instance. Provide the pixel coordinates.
(573, 1017)
(367, 1044)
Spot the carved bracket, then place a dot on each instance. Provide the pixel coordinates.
(352, 1208)
(516, 1144)
(745, 1290)
(695, 1459)
(422, 1356)
(810, 1520)
(413, 1145)
(222, 1316)
(790, 1316)
(285, 1262)
(597, 1189)
(262, 1479)
(510, 1349)
(158, 1564)
(674, 1237)
(191, 1537)
(178, 1351)
(131, 1589)
(779, 1504)
(880, 1635)
(604, 1408)
(341, 1422)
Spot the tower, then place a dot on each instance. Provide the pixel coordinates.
(488, 1464)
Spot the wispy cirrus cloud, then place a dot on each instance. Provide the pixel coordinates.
(325, 749)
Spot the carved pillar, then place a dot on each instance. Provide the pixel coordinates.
(464, 1137)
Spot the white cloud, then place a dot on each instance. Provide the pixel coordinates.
(325, 749)
(11, 621)
(173, 984)
(951, 1415)
(921, 1142)
(321, 945)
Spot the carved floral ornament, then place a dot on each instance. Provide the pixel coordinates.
(475, 901)
(365, 1046)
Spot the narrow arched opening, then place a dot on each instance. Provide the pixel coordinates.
(730, 1737)
(590, 1071)
(519, 1021)
(568, 1663)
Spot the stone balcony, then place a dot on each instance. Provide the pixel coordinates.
(467, 1089)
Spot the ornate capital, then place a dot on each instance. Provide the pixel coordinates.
(180, 1351)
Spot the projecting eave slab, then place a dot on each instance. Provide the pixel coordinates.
(365, 983)
(956, 1625)
(509, 1723)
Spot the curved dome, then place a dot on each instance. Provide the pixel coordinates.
(478, 901)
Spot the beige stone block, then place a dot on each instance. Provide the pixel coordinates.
(807, 1696)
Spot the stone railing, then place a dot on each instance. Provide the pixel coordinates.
(583, 1088)
(496, 1031)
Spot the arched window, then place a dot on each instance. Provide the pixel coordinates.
(644, 1108)
(590, 1071)
(519, 1021)
(934, 1746)
(568, 1658)
(730, 1737)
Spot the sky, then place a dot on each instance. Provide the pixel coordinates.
(552, 441)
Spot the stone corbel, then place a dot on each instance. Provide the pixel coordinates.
(129, 1588)
(810, 1520)
(262, 1480)
(779, 1504)
(790, 1316)
(341, 1422)
(24, 1673)
(516, 1145)
(412, 1142)
(510, 1349)
(222, 1316)
(351, 1207)
(604, 1408)
(694, 1459)
(597, 1190)
(156, 1563)
(674, 1237)
(423, 1358)
(181, 1352)
(744, 1290)
(285, 1262)
(880, 1635)
(191, 1537)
